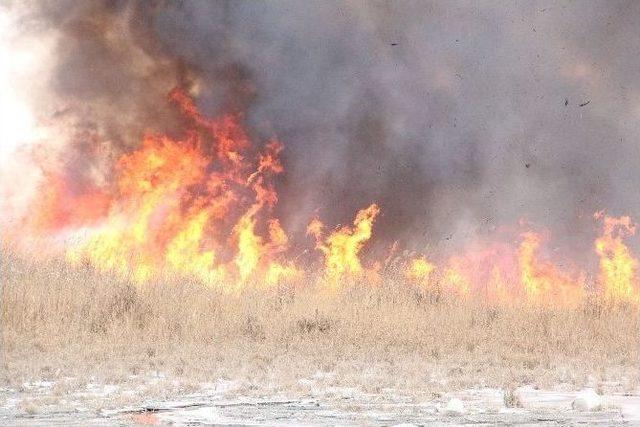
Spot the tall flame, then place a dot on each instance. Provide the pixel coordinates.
(618, 267)
(341, 247)
(542, 281)
(202, 206)
(174, 199)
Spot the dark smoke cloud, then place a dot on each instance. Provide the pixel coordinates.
(455, 117)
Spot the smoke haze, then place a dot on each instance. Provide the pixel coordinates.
(455, 117)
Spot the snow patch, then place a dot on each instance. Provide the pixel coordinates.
(37, 385)
(454, 407)
(587, 400)
(206, 415)
(306, 382)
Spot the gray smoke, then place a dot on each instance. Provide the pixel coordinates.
(456, 117)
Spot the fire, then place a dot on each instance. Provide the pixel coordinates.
(249, 245)
(420, 270)
(201, 206)
(487, 271)
(175, 198)
(341, 247)
(541, 280)
(184, 255)
(497, 290)
(618, 268)
(455, 279)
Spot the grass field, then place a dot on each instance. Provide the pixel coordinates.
(60, 321)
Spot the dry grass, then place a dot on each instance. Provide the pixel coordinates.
(60, 321)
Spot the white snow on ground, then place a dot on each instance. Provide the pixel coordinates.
(37, 385)
(205, 415)
(628, 405)
(226, 402)
(454, 407)
(587, 400)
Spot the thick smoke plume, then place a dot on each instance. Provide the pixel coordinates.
(455, 117)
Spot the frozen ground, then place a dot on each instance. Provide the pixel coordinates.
(223, 403)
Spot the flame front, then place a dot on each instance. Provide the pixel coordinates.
(542, 281)
(202, 206)
(488, 273)
(174, 203)
(341, 247)
(420, 271)
(618, 268)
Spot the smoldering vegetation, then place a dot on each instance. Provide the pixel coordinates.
(455, 117)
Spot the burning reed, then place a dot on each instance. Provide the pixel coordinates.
(60, 320)
(203, 205)
(179, 263)
(185, 236)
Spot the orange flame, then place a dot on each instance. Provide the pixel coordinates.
(488, 273)
(174, 199)
(618, 267)
(455, 280)
(201, 206)
(541, 280)
(341, 248)
(420, 271)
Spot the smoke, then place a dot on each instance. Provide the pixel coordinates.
(455, 117)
